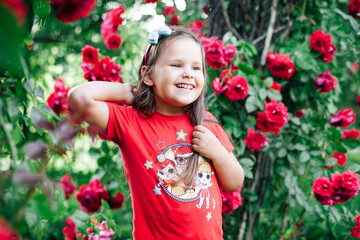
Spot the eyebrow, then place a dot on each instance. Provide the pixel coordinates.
(180, 60)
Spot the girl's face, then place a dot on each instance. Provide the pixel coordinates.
(177, 77)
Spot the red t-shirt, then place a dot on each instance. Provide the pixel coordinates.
(155, 151)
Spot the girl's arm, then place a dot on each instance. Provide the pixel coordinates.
(88, 100)
(228, 169)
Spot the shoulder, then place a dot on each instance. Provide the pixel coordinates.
(209, 116)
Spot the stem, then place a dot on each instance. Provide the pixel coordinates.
(227, 20)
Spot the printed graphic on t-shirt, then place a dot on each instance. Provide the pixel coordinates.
(170, 163)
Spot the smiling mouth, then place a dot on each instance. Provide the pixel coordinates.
(185, 86)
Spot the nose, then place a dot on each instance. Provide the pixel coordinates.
(187, 74)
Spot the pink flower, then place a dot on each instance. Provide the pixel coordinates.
(323, 190)
(358, 100)
(341, 158)
(196, 26)
(230, 201)
(280, 65)
(151, 1)
(214, 52)
(104, 70)
(174, 20)
(326, 82)
(353, 133)
(99, 231)
(229, 53)
(275, 86)
(255, 140)
(57, 100)
(67, 185)
(343, 118)
(109, 27)
(237, 88)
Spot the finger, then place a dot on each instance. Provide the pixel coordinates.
(201, 128)
(196, 134)
(196, 141)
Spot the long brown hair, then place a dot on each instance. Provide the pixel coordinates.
(144, 101)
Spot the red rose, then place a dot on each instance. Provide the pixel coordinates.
(88, 199)
(214, 51)
(6, 232)
(326, 82)
(57, 100)
(255, 140)
(356, 66)
(237, 88)
(323, 187)
(217, 86)
(320, 42)
(341, 158)
(280, 65)
(354, 8)
(275, 86)
(356, 231)
(115, 15)
(113, 41)
(104, 70)
(353, 133)
(174, 20)
(70, 229)
(67, 185)
(323, 190)
(99, 189)
(117, 201)
(151, 1)
(18, 8)
(229, 53)
(70, 11)
(169, 11)
(276, 113)
(350, 181)
(329, 54)
(264, 125)
(196, 26)
(358, 100)
(230, 200)
(357, 219)
(343, 118)
(90, 54)
(300, 113)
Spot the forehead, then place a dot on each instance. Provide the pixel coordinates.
(181, 48)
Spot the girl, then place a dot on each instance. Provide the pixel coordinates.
(162, 124)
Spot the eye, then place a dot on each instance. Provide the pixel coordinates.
(196, 68)
(171, 170)
(208, 176)
(175, 65)
(200, 175)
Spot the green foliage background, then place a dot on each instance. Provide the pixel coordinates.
(277, 193)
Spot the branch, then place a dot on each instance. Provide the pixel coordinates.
(257, 40)
(269, 32)
(227, 20)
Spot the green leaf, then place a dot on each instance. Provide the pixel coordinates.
(282, 153)
(36, 116)
(331, 161)
(273, 94)
(336, 134)
(246, 69)
(262, 93)
(338, 147)
(250, 104)
(41, 8)
(246, 162)
(39, 92)
(354, 167)
(248, 173)
(268, 81)
(304, 157)
(350, 143)
(29, 85)
(305, 61)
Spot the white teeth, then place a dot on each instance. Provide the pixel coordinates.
(184, 86)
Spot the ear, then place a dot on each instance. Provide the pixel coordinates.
(146, 76)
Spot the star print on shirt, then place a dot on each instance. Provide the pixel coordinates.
(181, 135)
(157, 190)
(148, 164)
(161, 145)
(208, 216)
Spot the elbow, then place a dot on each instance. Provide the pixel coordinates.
(236, 183)
(78, 100)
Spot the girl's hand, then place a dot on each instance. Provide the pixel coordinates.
(207, 144)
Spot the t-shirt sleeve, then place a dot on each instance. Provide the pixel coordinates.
(219, 131)
(120, 119)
